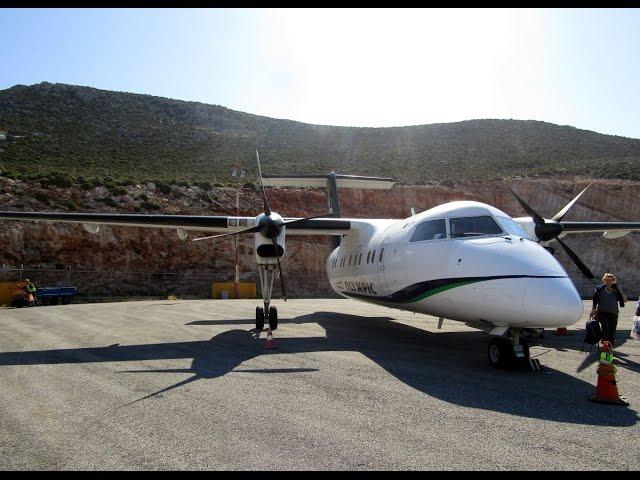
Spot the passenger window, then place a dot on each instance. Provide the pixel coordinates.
(360, 258)
(381, 253)
(430, 230)
(368, 254)
(349, 260)
(474, 226)
(373, 256)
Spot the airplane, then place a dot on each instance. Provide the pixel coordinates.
(464, 260)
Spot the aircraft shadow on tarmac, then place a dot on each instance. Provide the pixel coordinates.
(573, 341)
(448, 366)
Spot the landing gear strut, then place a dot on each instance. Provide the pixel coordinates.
(267, 275)
(510, 351)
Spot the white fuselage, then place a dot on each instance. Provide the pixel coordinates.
(460, 265)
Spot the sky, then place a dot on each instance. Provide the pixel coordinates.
(349, 67)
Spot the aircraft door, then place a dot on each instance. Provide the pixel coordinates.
(390, 266)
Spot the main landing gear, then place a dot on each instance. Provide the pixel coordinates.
(268, 313)
(511, 351)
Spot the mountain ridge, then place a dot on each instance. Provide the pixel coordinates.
(83, 130)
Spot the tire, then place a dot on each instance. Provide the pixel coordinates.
(259, 318)
(273, 318)
(500, 353)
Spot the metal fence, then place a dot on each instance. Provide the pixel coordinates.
(107, 285)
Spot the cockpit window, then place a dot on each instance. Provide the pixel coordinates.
(474, 226)
(429, 230)
(512, 227)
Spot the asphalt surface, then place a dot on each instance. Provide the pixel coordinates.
(186, 385)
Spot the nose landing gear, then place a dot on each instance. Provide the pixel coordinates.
(511, 351)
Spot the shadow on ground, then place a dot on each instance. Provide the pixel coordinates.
(574, 341)
(449, 366)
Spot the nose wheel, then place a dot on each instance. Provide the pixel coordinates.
(508, 352)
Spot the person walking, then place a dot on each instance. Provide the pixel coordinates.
(31, 292)
(606, 299)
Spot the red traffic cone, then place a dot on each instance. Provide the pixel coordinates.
(561, 331)
(271, 343)
(607, 388)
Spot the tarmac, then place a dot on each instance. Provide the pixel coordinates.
(189, 385)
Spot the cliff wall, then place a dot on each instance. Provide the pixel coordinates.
(125, 261)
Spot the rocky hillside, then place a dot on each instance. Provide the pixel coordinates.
(82, 131)
(121, 261)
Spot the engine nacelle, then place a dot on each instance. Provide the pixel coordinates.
(265, 252)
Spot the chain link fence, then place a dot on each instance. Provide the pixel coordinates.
(104, 286)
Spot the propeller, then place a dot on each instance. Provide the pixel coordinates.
(270, 226)
(547, 230)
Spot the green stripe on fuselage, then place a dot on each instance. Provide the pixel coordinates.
(444, 288)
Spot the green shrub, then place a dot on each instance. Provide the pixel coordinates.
(70, 204)
(203, 185)
(108, 201)
(86, 186)
(61, 181)
(42, 197)
(117, 191)
(204, 196)
(163, 187)
(146, 205)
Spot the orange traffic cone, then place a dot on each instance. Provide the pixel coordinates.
(271, 343)
(607, 388)
(561, 331)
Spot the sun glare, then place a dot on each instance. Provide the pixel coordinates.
(398, 67)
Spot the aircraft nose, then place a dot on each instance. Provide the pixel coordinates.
(552, 302)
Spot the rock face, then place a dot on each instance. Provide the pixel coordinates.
(126, 261)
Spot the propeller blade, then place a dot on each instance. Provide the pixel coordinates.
(248, 230)
(267, 210)
(583, 268)
(275, 249)
(538, 220)
(326, 215)
(558, 216)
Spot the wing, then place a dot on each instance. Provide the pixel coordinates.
(181, 223)
(609, 229)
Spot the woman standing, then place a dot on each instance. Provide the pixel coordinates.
(605, 306)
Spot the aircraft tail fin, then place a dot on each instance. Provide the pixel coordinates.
(331, 182)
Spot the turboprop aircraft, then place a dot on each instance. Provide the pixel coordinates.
(464, 260)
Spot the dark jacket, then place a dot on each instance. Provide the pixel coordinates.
(600, 289)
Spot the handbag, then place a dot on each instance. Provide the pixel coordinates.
(593, 333)
(635, 327)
